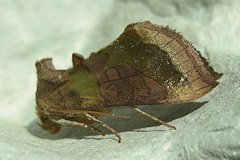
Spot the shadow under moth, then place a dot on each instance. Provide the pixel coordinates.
(146, 65)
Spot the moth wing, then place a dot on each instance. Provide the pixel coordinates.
(159, 54)
(77, 59)
(122, 85)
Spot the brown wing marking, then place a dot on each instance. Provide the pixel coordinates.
(123, 85)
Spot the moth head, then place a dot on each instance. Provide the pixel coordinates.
(49, 79)
(47, 121)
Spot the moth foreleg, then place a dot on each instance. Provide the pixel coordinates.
(152, 117)
(77, 124)
(104, 125)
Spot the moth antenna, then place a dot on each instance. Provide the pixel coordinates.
(152, 117)
(91, 112)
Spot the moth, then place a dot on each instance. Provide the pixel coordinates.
(146, 65)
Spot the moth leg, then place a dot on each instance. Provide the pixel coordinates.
(104, 125)
(94, 128)
(152, 117)
(77, 124)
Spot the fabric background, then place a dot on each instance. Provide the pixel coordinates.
(208, 128)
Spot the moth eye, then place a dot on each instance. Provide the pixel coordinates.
(44, 120)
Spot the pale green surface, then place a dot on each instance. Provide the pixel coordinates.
(31, 30)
